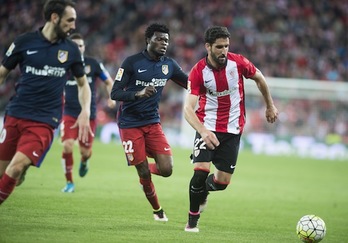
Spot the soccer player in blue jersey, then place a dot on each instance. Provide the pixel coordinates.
(94, 70)
(32, 114)
(139, 83)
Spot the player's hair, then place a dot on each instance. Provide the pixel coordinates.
(76, 36)
(214, 33)
(56, 6)
(155, 27)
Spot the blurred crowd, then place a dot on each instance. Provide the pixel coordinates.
(284, 38)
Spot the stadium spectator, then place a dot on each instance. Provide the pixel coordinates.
(138, 85)
(94, 70)
(297, 39)
(216, 85)
(44, 57)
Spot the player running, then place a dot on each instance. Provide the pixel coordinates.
(94, 70)
(139, 84)
(44, 58)
(216, 84)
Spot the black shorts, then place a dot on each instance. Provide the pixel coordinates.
(224, 157)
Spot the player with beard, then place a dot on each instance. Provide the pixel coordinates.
(216, 84)
(32, 114)
(139, 84)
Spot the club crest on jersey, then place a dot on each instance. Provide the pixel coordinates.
(87, 69)
(197, 152)
(130, 157)
(62, 56)
(165, 69)
(2, 135)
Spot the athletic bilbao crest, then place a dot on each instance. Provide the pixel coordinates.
(165, 69)
(197, 152)
(62, 56)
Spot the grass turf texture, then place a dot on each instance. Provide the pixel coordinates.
(266, 198)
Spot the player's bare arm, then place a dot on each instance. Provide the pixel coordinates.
(85, 102)
(3, 74)
(271, 110)
(109, 83)
(208, 136)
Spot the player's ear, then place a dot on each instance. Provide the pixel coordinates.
(207, 46)
(54, 18)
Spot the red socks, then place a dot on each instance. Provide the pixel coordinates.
(7, 184)
(150, 192)
(68, 162)
(153, 169)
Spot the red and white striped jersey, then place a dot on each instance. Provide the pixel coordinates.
(221, 106)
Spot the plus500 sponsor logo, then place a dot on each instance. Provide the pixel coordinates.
(156, 82)
(46, 71)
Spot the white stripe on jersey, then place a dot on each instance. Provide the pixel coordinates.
(223, 93)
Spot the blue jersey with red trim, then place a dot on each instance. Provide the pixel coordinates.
(135, 73)
(93, 70)
(43, 66)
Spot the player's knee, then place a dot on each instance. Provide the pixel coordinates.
(17, 169)
(68, 146)
(197, 182)
(165, 165)
(213, 185)
(166, 172)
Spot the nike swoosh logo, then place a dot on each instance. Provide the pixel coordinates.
(31, 52)
(166, 149)
(35, 154)
(141, 70)
(232, 167)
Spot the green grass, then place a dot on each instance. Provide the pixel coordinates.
(266, 198)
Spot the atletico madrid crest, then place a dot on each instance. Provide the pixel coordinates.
(130, 157)
(165, 69)
(62, 56)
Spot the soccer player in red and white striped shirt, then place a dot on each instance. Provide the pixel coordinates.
(216, 83)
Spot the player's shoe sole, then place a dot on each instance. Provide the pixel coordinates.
(192, 223)
(69, 188)
(160, 216)
(193, 230)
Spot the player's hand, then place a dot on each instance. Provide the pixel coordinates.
(271, 114)
(111, 103)
(83, 124)
(210, 139)
(146, 92)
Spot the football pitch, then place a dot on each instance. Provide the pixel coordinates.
(266, 198)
